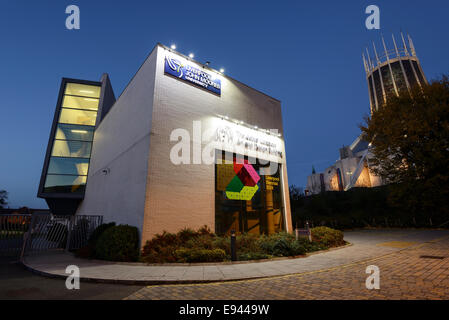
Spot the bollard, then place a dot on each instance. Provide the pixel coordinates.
(233, 250)
(308, 231)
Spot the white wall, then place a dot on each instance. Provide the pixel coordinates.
(121, 146)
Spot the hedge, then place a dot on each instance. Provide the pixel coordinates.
(118, 243)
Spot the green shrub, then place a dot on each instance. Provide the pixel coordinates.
(200, 255)
(327, 237)
(162, 247)
(98, 232)
(281, 245)
(118, 243)
(223, 243)
(186, 234)
(202, 245)
(88, 251)
(201, 241)
(310, 246)
(246, 243)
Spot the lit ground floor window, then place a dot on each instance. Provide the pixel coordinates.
(248, 195)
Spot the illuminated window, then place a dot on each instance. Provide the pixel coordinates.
(82, 117)
(71, 166)
(80, 103)
(69, 163)
(83, 90)
(72, 149)
(74, 132)
(248, 196)
(65, 184)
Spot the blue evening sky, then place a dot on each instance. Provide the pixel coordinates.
(305, 53)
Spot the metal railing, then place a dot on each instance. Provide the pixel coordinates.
(12, 230)
(49, 232)
(31, 234)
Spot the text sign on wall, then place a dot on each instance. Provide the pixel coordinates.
(192, 74)
(248, 139)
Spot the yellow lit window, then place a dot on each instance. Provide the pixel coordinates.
(80, 103)
(78, 117)
(74, 149)
(83, 90)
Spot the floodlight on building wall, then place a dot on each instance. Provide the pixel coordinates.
(191, 55)
(173, 46)
(222, 70)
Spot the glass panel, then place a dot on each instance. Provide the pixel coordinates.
(73, 149)
(80, 103)
(418, 72)
(84, 90)
(74, 132)
(388, 82)
(378, 85)
(73, 166)
(246, 199)
(65, 184)
(409, 72)
(78, 117)
(398, 76)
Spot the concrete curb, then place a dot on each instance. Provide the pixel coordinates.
(172, 282)
(180, 264)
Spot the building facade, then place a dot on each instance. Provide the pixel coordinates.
(186, 146)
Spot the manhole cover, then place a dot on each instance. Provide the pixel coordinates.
(433, 257)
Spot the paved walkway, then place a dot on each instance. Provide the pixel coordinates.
(416, 272)
(17, 283)
(367, 244)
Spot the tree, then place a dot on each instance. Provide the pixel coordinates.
(296, 201)
(3, 198)
(296, 192)
(410, 146)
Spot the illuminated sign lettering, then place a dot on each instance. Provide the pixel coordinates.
(192, 74)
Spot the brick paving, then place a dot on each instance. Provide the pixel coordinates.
(404, 275)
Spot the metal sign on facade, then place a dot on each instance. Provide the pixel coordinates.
(192, 74)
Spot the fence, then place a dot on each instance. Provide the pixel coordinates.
(30, 234)
(12, 230)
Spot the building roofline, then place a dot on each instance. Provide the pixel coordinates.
(213, 70)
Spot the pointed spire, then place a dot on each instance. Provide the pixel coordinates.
(385, 48)
(395, 46)
(365, 63)
(405, 45)
(375, 52)
(371, 66)
(412, 47)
